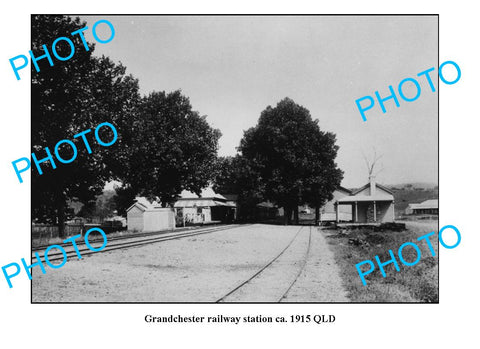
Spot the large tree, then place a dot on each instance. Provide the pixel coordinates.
(226, 175)
(323, 175)
(68, 98)
(294, 160)
(172, 148)
(237, 175)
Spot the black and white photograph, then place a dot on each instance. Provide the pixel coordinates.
(239, 174)
(234, 158)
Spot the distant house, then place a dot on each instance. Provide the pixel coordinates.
(426, 207)
(77, 220)
(147, 217)
(209, 207)
(372, 203)
(117, 220)
(266, 210)
(305, 209)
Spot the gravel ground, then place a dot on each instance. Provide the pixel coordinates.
(272, 283)
(320, 280)
(198, 269)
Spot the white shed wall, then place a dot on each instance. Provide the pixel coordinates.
(159, 219)
(135, 219)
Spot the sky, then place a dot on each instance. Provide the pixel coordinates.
(233, 67)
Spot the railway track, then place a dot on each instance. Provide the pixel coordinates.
(125, 237)
(304, 263)
(135, 242)
(267, 265)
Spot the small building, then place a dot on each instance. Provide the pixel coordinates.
(305, 209)
(77, 220)
(426, 207)
(266, 210)
(328, 212)
(147, 217)
(372, 203)
(117, 221)
(209, 207)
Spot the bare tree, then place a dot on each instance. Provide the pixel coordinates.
(372, 167)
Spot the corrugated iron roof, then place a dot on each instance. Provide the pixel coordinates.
(206, 193)
(368, 186)
(199, 203)
(428, 204)
(363, 198)
(231, 197)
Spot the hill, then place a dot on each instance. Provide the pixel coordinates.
(409, 194)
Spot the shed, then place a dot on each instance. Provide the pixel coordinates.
(146, 217)
(372, 203)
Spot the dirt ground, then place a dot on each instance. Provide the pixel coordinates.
(201, 269)
(320, 280)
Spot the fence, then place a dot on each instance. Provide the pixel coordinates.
(40, 231)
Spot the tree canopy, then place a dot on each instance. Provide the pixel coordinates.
(236, 175)
(172, 148)
(163, 145)
(293, 159)
(68, 98)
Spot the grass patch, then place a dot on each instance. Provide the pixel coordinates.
(418, 283)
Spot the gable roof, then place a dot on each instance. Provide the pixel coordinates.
(368, 185)
(138, 205)
(143, 204)
(387, 195)
(340, 188)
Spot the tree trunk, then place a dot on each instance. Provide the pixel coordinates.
(295, 214)
(286, 212)
(288, 215)
(317, 215)
(61, 219)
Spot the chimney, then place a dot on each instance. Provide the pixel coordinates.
(373, 186)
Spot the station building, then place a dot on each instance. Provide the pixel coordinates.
(208, 208)
(372, 203)
(428, 207)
